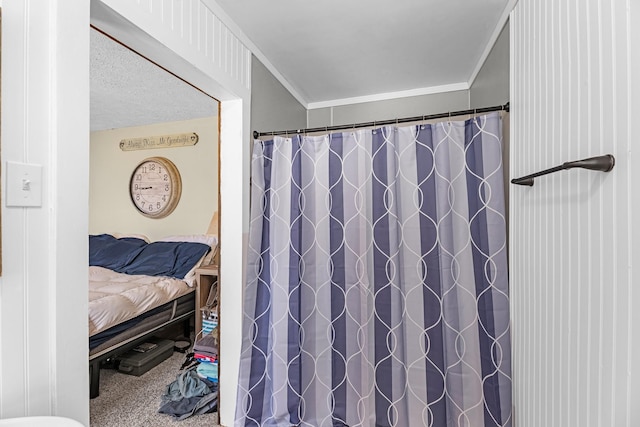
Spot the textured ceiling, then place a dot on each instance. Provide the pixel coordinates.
(127, 90)
(334, 49)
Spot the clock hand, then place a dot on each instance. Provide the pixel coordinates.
(146, 188)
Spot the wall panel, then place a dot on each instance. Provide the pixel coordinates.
(571, 252)
(45, 121)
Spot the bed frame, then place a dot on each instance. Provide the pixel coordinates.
(180, 310)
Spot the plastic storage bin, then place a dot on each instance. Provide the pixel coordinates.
(145, 356)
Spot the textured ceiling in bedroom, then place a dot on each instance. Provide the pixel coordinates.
(128, 90)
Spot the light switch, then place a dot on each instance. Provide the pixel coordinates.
(24, 184)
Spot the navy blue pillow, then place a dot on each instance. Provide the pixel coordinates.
(109, 252)
(173, 259)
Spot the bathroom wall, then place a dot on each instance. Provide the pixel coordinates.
(43, 292)
(412, 106)
(272, 106)
(491, 85)
(574, 236)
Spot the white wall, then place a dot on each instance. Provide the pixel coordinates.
(45, 120)
(43, 293)
(110, 207)
(574, 236)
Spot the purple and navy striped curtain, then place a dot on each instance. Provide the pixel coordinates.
(377, 289)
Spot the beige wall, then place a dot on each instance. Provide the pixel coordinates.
(110, 208)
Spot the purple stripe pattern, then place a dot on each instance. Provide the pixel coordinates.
(376, 290)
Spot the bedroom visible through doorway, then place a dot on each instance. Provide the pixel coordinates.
(133, 98)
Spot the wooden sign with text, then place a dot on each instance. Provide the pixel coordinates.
(162, 141)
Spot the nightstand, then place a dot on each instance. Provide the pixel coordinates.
(206, 276)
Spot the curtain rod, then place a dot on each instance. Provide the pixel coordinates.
(504, 107)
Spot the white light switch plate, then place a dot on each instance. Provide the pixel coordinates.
(24, 184)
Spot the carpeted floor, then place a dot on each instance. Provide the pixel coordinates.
(130, 401)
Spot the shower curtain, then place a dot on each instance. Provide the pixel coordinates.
(376, 289)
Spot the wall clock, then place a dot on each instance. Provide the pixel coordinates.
(155, 187)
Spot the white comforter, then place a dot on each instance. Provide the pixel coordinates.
(116, 297)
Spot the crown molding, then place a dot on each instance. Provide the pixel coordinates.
(389, 95)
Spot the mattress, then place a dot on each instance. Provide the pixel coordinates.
(117, 297)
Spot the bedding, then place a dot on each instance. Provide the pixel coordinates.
(135, 256)
(107, 251)
(136, 235)
(129, 276)
(117, 297)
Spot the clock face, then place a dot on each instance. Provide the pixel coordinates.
(155, 187)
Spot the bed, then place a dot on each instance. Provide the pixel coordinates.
(137, 288)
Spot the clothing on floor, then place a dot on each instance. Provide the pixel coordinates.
(189, 395)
